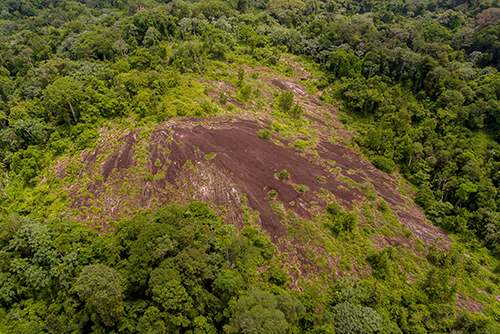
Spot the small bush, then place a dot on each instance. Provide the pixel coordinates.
(321, 179)
(407, 233)
(381, 263)
(276, 276)
(285, 101)
(210, 156)
(273, 193)
(383, 206)
(296, 111)
(340, 220)
(333, 209)
(205, 108)
(302, 144)
(264, 134)
(223, 98)
(241, 73)
(245, 92)
(471, 266)
(301, 188)
(283, 175)
(266, 55)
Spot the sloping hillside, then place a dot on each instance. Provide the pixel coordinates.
(247, 167)
(223, 161)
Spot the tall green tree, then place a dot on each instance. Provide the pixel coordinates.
(100, 286)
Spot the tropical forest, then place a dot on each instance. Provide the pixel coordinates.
(249, 166)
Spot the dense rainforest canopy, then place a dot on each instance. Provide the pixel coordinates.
(418, 82)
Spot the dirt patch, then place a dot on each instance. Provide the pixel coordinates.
(220, 161)
(290, 86)
(251, 164)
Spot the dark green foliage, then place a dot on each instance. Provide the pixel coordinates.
(242, 6)
(269, 56)
(475, 323)
(291, 307)
(153, 272)
(384, 164)
(276, 276)
(100, 286)
(381, 263)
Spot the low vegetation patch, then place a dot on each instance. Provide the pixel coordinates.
(301, 188)
(282, 175)
(210, 156)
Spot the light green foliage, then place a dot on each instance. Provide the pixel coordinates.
(279, 6)
(286, 105)
(285, 101)
(151, 322)
(349, 319)
(210, 156)
(296, 111)
(293, 309)
(302, 144)
(64, 97)
(438, 285)
(339, 220)
(223, 98)
(245, 92)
